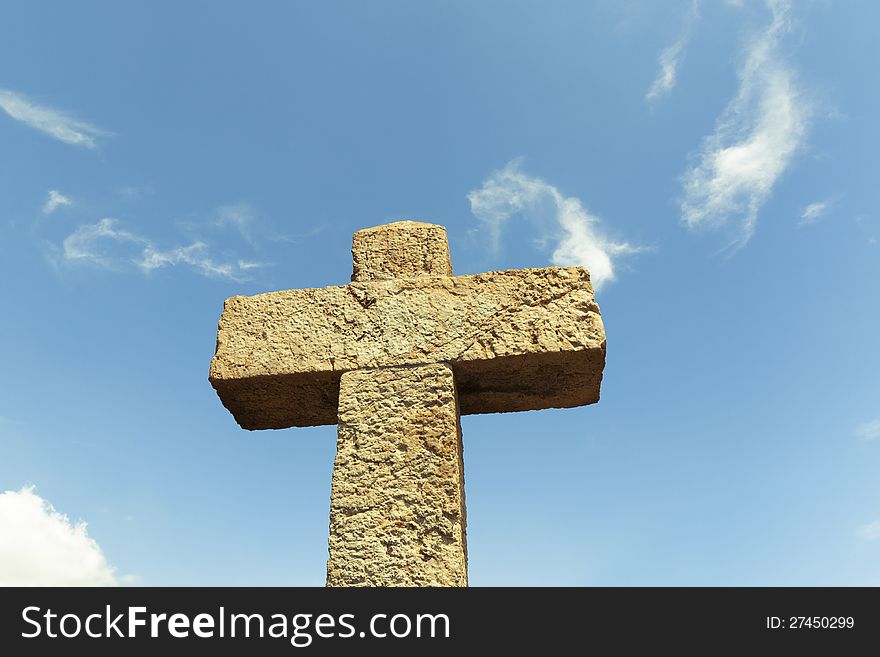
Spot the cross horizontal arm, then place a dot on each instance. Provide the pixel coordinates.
(516, 340)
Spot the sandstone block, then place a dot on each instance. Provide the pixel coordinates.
(516, 340)
(397, 513)
(403, 249)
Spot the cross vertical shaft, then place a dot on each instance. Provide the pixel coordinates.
(397, 513)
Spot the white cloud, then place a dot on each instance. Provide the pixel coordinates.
(669, 60)
(869, 531)
(755, 138)
(671, 57)
(239, 216)
(131, 192)
(106, 245)
(100, 243)
(869, 430)
(814, 211)
(196, 256)
(40, 547)
(578, 236)
(55, 200)
(49, 121)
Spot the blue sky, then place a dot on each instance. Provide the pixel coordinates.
(714, 164)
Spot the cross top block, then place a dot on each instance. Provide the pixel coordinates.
(516, 340)
(404, 249)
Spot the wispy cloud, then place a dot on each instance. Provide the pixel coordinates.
(54, 201)
(41, 547)
(755, 138)
(239, 216)
(197, 256)
(106, 245)
(867, 226)
(98, 243)
(869, 430)
(869, 531)
(671, 57)
(563, 219)
(132, 192)
(50, 121)
(814, 211)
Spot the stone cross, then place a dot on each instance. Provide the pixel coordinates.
(394, 358)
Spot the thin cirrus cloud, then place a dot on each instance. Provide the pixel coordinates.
(102, 243)
(578, 236)
(869, 430)
(755, 138)
(49, 121)
(869, 531)
(813, 212)
(55, 200)
(242, 218)
(671, 57)
(239, 216)
(41, 547)
(106, 244)
(196, 255)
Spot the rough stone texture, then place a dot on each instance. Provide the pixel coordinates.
(398, 250)
(397, 515)
(517, 340)
(400, 353)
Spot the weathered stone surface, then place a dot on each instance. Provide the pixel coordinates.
(397, 515)
(404, 249)
(401, 352)
(516, 340)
